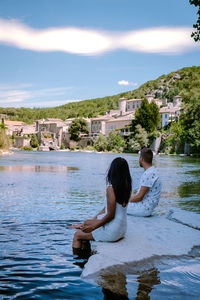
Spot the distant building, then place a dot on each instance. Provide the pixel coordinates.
(171, 112)
(14, 127)
(50, 133)
(128, 105)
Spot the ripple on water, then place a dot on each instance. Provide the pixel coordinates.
(42, 193)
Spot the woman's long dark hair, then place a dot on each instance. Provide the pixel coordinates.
(120, 178)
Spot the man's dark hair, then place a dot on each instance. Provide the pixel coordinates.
(147, 155)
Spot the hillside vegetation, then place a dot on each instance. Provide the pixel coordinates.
(184, 82)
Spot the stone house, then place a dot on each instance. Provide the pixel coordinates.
(171, 112)
(14, 127)
(49, 133)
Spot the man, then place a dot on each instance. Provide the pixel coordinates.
(143, 203)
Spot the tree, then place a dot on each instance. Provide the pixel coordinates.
(2, 126)
(147, 115)
(176, 137)
(78, 127)
(115, 142)
(139, 140)
(190, 119)
(155, 114)
(34, 141)
(196, 34)
(101, 143)
(4, 139)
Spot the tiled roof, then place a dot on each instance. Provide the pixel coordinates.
(13, 123)
(133, 100)
(169, 109)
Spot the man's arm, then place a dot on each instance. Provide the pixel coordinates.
(140, 195)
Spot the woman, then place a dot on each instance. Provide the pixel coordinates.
(109, 224)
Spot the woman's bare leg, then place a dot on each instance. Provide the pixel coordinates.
(80, 236)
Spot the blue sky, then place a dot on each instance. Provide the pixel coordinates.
(58, 51)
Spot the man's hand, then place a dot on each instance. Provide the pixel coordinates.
(131, 197)
(140, 195)
(89, 225)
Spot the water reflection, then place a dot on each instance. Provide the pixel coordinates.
(114, 285)
(190, 191)
(37, 168)
(147, 280)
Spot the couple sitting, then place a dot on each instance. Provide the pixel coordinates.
(110, 223)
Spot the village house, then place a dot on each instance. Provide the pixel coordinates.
(23, 137)
(85, 138)
(171, 112)
(13, 127)
(116, 119)
(22, 132)
(49, 133)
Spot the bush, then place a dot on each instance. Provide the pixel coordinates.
(62, 147)
(78, 147)
(139, 140)
(133, 145)
(90, 148)
(4, 139)
(100, 143)
(115, 142)
(34, 141)
(27, 148)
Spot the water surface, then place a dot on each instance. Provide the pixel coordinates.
(42, 193)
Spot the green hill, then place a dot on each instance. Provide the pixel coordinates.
(184, 82)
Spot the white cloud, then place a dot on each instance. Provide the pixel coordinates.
(48, 103)
(71, 40)
(164, 40)
(13, 95)
(125, 82)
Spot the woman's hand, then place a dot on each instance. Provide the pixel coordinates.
(89, 225)
(76, 226)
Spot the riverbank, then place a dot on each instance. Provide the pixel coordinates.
(106, 152)
(5, 152)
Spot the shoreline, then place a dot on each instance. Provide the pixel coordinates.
(10, 152)
(5, 152)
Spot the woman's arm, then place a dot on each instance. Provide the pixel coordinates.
(100, 213)
(79, 225)
(93, 224)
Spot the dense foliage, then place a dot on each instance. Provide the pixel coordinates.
(196, 34)
(114, 142)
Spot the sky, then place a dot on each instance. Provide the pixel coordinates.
(53, 52)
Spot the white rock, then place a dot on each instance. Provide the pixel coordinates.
(185, 217)
(145, 238)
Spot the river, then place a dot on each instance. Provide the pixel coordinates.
(41, 193)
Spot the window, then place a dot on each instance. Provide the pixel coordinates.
(166, 116)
